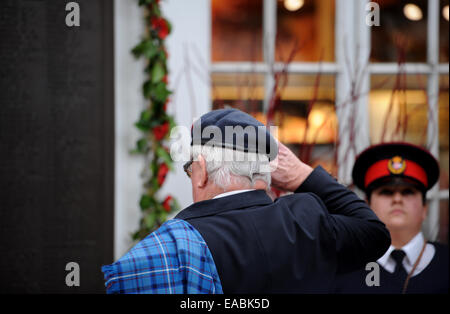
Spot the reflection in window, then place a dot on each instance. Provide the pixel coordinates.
(307, 124)
(308, 31)
(443, 30)
(398, 109)
(236, 30)
(402, 34)
(239, 90)
(443, 132)
(443, 155)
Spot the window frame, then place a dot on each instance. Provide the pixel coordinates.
(352, 52)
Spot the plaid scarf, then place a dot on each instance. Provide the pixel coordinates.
(173, 259)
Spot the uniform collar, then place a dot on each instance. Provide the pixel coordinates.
(226, 203)
(412, 250)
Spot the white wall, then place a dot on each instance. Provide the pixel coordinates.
(189, 56)
(189, 61)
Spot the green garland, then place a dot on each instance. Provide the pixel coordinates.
(154, 121)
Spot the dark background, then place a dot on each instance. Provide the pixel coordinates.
(56, 145)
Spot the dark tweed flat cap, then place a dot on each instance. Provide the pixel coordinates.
(232, 128)
(393, 163)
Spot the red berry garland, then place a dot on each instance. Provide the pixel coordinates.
(154, 121)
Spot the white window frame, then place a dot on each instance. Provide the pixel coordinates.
(352, 49)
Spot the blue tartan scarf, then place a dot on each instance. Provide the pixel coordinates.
(172, 260)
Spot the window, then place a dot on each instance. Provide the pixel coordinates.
(254, 70)
(341, 83)
(402, 35)
(398, 108)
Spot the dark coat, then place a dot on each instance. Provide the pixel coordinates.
(432, 280)
(296, 244)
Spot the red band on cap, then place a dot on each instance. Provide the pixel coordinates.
(380, 169)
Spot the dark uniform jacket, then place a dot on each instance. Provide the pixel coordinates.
(432, 280)
(296, 244)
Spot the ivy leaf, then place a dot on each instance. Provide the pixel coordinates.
(145, 2)
(149, 220)
(142, 145)
(154, 183)
(161, 92)
(175, 205)
(156, 10)
(144, 123)
(172, 122)
(163, 216)
(147, 89)
(162, 56)
(164, 155)
(151, 52)
(169, 26)
(158, 72)
(145, 202)
(154, 167)
(146, 48)
(136, 235)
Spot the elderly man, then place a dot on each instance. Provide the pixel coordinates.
(235, 239)
(396, 178)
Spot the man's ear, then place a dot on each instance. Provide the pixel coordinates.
(203, 176)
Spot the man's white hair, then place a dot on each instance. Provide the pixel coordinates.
(227, 166)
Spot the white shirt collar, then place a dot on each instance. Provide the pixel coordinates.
(232, 192)
(412, 250)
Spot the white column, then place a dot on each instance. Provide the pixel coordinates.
(363, 47)
(431, 224)
(189, 57)
(129, 102)
(269, 36)
(345, 59)
(189, 65)
(352, 36)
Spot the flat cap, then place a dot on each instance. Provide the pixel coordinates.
(234, 129)
(399, 161)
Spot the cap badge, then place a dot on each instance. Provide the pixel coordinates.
(396, 165)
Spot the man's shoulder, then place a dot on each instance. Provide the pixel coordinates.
(162, 261)
(174, 234)
(306, 200)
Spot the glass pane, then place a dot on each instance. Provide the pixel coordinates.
(443, 31)
(236, 30)
(443, 155)
(443, 222)
(311, 134)
(402, 34)
(242, 91)
(443, 132)
(307, 33)
(398, 109)
(307, 120)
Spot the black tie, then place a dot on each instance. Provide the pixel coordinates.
(399, 272)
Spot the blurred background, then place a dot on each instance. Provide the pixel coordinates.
(335, 76)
